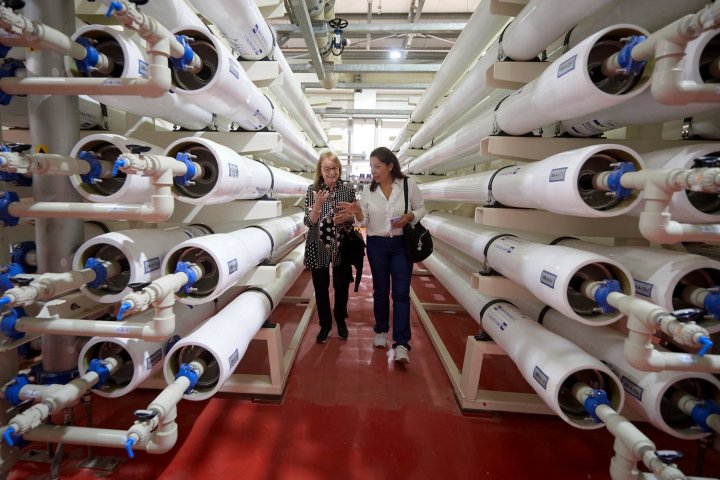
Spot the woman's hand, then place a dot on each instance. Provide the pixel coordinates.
(340, 218)
(350, 208)
(403, 220)
(319, 199)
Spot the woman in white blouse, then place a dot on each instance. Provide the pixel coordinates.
(382, 210)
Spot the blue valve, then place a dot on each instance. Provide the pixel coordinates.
(124, 307)
(184, 267)
(103, 372)
(5, 276)
(625, 60)
(113, 6)
(701, 411)
(12, 391)
(187, 56)
(91, 56)
(594, 400)
(614, 180)
(184, 180)
(9, 321)
(98, 267)
(9, 436)
(7, 199)
(119, 163)
(706, 345)
(601, 294)
(128, 447)
(95, 167)
(712, 303)
(190, 374)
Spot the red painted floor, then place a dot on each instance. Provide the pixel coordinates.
(350, 413)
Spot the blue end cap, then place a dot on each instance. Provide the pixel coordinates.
(113, 6)
(184, 180)
(128, 447)
(8, 70)
(706, 345)
(184, 267)
(625, 60)
(19, 255)
(12, 391)
(4, 49)
(712, 303)
(103, 372)
(701, 411)
(5, 275)
(614, 180)
(8, 322)
(190, 374)
(186, 59)
(7, 199)
(98, 267)
(95, 167)
(601, 294)
(124, 307)
(592, 401)
(91, 56)
(119, 163)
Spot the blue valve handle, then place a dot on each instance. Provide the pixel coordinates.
(119, 163)
(190, 374)
(712, 303)
(9, 436)
(602, 293)
(129, 447)
(592, 401)
(91, 56)
(184, 180)
(124, 307)
(98, 267)
(7, 199)
(706, 345)
(4, 300)
(614, 179)
(186, 59)
(625, 60)
(113, 6)
(185, 267)
(95, 167)
(103, 372)
(12, 390)
(701, 411)
(5, 276)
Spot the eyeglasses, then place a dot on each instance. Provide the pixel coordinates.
(330, 169)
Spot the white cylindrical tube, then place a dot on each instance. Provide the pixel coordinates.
(222, 86)
(293, 140)
(121, 188)
(141, 358)
(644, 108)
(550, 364)
(139, 252)
(130, 61)
(222, 341)
(15, 114)
(552, 273)
(172, 13)
(648, 393)
(242, 25)
(225, 258)
(707, 125)
(688, 206)
(572, 85)
(560, 184)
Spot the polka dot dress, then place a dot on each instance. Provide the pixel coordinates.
(321, 246)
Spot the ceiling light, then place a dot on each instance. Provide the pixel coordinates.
(395, 54)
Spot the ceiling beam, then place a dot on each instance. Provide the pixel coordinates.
(362, 113)
(374, 86)
(303, 18)
(360, 29)
(369, 67)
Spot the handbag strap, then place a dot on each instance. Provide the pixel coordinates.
(405, 188)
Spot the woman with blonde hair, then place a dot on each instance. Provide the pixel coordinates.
(321, 249)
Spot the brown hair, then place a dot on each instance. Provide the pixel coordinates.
(388, 158)
(318, 168)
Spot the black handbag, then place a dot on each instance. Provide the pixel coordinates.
(352, 253)
(418, 242)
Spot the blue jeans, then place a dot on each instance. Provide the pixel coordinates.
(390, 269)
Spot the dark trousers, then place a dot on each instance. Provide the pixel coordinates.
(391, 270)
(341, 284)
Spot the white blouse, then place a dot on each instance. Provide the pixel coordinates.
(378, 210)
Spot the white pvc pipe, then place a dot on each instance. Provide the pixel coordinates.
(130, 61)
(545, 360)
(139, 252)
(172, 13)
(560, 184)
(644, 108)
(293, 142)
(648, 393)
(142, 358)
(226, 257)
(686, 205)
(566, 89)
(222, 86)
(552, 273)
(229, 176)
(707, 125)
(223, 340)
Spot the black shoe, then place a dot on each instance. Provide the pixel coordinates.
(343, 332)
(322, 337)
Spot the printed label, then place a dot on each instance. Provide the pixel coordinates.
(504, 244)
(632, 388)
(709, 228)
(547, 278)
(558, 174)
(31, 393)
(153, 359)
(643, 288)
(234, 358)
(234, 70)
(142, 69)
(500, 317)
(567, 66)
(509, 171)
(233, 170)
(112, 81)
(122, 329)
(232, 265)
(540, 377)
(152, 264)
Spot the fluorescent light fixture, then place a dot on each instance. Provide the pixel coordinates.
(395, 54)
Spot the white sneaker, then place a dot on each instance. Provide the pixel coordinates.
(380, 340)
(401, 354)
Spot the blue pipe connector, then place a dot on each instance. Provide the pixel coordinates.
(101, 273)
(701, 411)
(625, 60)
(7, 199)
(184, 267)
(712, 303)
(184, 180)
(592, 401)
(129, 447)
(93, 175)
(183, 62)
(103, 372)
(5, 275)
(8, 322)
(187, 372)
(601, 294)
(87, 64)
(614, 180)
(12, 390)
